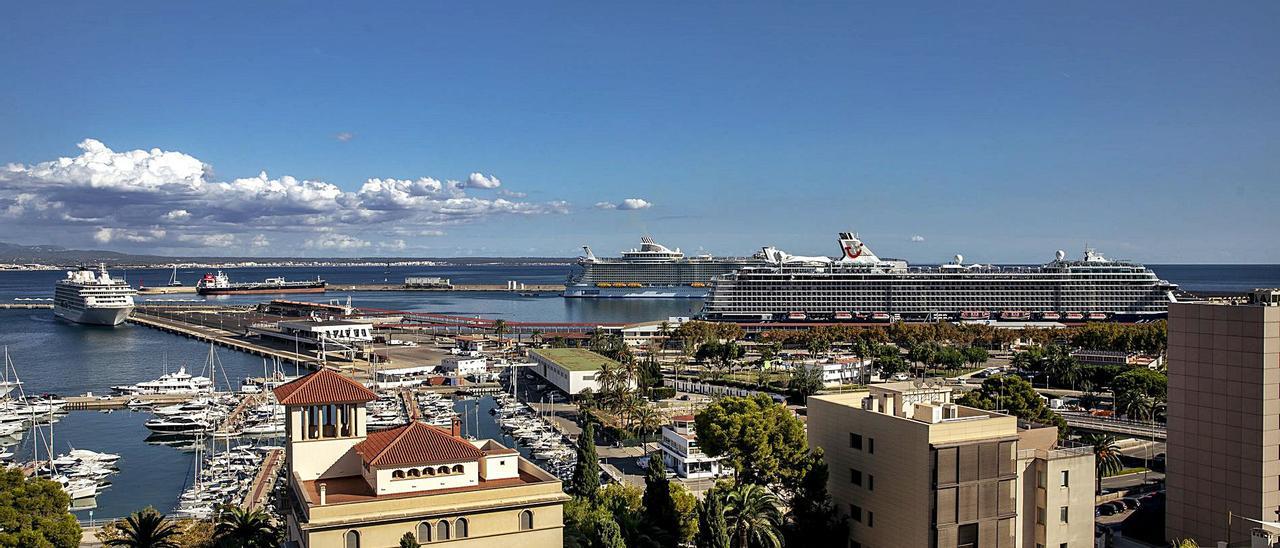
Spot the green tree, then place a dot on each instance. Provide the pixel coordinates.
(145, 529)
(239, 528)
(753, 516)
(1106, 455)
(33, 512)
(976, 356)
(686, 505)
(762, 440)
(586, 472)
(713, 532)
(814, 519)
(1015, 396)
(659, 507)
(806, 380)
(409, 541)
(1133, 385)
(888, 359)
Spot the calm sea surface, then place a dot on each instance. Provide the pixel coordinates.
(54, 356)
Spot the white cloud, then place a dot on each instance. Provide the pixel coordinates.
(511, 193)
(393, 245)
(917, 238)
(260, 241)
(431, 233)
(132, 197)
(480, 180)
(344, 136)
(339, 242)
(629, 204)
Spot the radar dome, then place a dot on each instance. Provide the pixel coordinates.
(959, 258)
(1060, 254)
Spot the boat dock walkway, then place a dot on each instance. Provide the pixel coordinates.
(90, 403)
(410, 404)
(264, 482)
(233, 419)
(26, 306)
(216, 336)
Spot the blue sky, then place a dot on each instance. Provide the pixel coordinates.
(1002, 131)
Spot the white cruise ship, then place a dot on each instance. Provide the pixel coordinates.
(859, 286)
(650, 271)
(89, 298)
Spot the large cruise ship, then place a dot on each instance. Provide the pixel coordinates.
(859, 286)
(89, 298)
(650, 271)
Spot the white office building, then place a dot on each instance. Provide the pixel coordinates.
(680, 452)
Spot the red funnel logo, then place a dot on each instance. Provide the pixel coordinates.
(850, 253)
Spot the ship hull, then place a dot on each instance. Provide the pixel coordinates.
(582, 291)
(93, 316)
(258, 290)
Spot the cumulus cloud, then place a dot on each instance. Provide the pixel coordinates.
(511, 194)
(344, 136)
(628, 204)
(917, 238)
(480, 180)
(167, 199)
(338, 242)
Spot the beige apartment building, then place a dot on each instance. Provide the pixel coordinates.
(1224, 418)
(351, 488)
(911, 468)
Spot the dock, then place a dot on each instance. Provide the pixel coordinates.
(26, 306)
(264, 482)
(216, 336)
(95, 403)
(540, 289)
(232, 421)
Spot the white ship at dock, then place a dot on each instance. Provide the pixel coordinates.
(859, 286)
(651, 271)
(95, 299)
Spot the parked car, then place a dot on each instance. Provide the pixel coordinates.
(1105, 510)
(1130, 503)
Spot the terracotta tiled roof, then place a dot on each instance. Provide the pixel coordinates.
(683, 418)
(321, 387)
(415, 443)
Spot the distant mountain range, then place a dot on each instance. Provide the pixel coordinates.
(57, 255)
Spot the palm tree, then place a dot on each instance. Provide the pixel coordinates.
(1106, 455)
(239, 527)
(753, 517)
(648, 420)
(499, 329)
(146, 529)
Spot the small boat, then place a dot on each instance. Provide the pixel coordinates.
(1097, 316)
(1015, 315)
(1051, 316)
(843, 316)
(975, 315)
(1074, 316)
(796, 316)
(176, 424)
(880, 316)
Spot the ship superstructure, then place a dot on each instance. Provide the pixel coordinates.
(649, 271)
(860, 286)
(92, 298)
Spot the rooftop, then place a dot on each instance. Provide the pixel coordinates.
(324, 386)
(413, 444)
(574, 359)
(349, 489)
(326, 323)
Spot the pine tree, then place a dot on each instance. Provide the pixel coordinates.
(813, 516)
(713, 532)
(586, 473)
(659, 507)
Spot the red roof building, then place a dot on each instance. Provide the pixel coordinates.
(323, 387)
(416, 443)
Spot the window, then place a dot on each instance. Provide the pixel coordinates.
(871, 518)
(855, 512)
(442, 530)
(526, 520)
(871, 445)
(1063, 545)
(1062, 514)
(398, 474)
(871, 482)
(460, 528)
(855, 477)
(352, 539)
(414, 473)
(1040, 479)
(457, 468)
(1039, 516)
(855, 441)
(424, 532)
(1066, 478)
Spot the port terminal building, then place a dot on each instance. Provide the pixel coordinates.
(572, 370)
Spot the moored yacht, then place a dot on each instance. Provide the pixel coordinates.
(178, 382)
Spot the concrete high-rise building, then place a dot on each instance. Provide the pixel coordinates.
(1224, 418)
(352, 488)
(911, 468)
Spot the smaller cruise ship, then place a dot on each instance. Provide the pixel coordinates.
(92, 298)
(178, 382)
